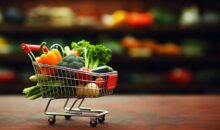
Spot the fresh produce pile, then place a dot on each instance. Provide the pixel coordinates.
(136, 47)
(83, 56)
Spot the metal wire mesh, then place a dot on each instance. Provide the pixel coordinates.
(62, 82)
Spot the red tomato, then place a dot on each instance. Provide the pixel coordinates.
(182, 76)
(83, 76)
(85, 69)
(136, 19)
(99, 82)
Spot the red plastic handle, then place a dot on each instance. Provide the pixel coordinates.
(27, 48)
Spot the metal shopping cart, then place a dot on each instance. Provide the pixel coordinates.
(58, 82)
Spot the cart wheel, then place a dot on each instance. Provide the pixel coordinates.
(101, 119)
(52, 120)
(93, 122)
(67, 117)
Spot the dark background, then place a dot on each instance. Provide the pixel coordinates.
(164, 70)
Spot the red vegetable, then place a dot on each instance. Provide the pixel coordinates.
(182, 76)
(99, 82)
(82, 76)
(136, 19)
(85, 69)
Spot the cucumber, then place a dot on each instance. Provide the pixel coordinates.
(36, 91)
(30, 89)
(35, 96)
(102, 69)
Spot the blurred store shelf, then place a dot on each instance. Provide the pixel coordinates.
(156, 30)
(181, 36)
(13, 58)
(167, 59)
(117, 59)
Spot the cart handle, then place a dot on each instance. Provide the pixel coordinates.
(27, 48)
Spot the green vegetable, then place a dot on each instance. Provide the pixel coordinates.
(34, 91)
(102, 69)
(194, 47)
(94, 55)
(35, 96)
(164, 16)
(29, 90)
(72, 61)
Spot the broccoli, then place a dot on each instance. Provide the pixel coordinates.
(72, 61)
(94, 55)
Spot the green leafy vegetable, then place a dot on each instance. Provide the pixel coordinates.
(94, 55)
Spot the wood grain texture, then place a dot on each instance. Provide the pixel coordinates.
(126, 112)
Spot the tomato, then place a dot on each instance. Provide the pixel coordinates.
(136, 19)
(183, 76)
(85, 69)
(99, 82)
(84, 77)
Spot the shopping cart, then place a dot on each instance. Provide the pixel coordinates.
(58, 82)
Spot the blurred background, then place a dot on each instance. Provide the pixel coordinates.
(159, 47)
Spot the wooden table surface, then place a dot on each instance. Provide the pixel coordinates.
(126, 112)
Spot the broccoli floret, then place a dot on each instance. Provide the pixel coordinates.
(72, 61)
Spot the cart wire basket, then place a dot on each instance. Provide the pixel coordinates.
(58, 82)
